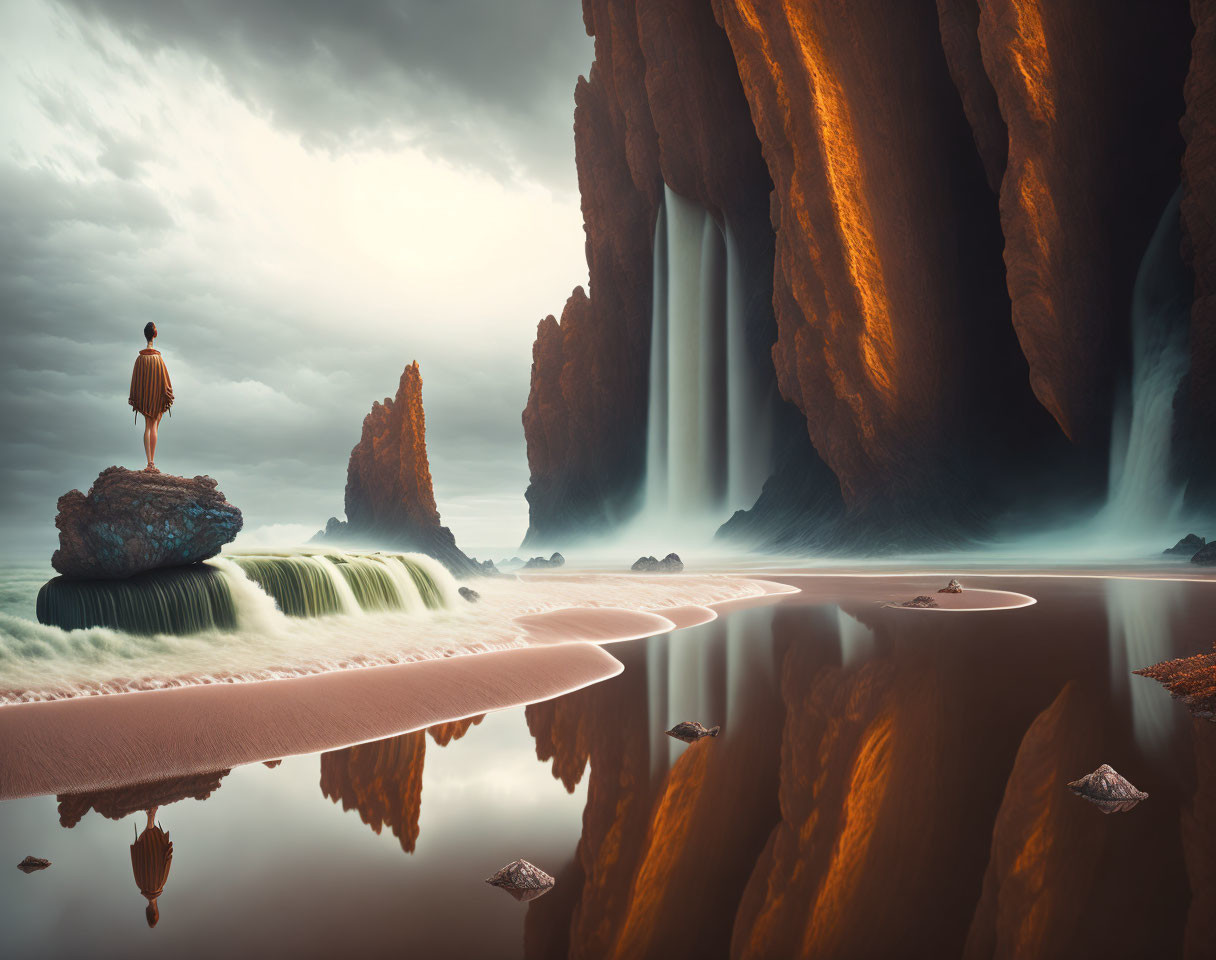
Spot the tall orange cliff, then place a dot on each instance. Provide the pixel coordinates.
(944, 205)
(389, 497)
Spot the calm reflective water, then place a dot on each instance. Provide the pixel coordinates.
(887, 783)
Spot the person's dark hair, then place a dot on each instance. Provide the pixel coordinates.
(149, 331)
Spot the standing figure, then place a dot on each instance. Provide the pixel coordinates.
(151, 392)
(151, 857)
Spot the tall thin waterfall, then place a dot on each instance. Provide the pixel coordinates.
(708, 446)
(1142, 496)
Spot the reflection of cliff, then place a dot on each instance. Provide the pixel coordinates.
(943, 206)
(383, 780)
(914, 793)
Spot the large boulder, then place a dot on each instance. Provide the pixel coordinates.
(669, 564)
(1206, 556)
(131, 522)
(1188, 546)
(540, 563)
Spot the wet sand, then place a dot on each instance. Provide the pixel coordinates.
(98, 742)
(94, 743)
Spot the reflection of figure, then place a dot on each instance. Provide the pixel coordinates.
(151, 856)
(151, 392)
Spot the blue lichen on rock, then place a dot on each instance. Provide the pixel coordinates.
(134, 521)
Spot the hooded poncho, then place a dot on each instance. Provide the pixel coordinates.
(151, 391)
(151, 855)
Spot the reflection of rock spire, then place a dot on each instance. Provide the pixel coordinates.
(383, 780)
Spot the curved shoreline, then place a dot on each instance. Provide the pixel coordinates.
(97, 742)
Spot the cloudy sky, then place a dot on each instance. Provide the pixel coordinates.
(304, 196)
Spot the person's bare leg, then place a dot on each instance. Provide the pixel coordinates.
(148, 441)
(152, 441)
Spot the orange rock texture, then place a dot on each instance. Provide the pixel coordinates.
(389, 497)
(946, 204)
(382, 781)
(857, 804)
(1090, 94)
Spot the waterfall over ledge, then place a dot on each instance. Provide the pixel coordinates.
(1143, 497)
(709, 441)
(239, 591)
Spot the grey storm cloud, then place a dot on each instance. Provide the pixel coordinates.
(488, 83)
(90, 249)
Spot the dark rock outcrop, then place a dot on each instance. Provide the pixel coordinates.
(1206, 556)
(540, 563)
(134, 521)
(952, 587)
(919, 602)
(690, 731)
(1108, 790)
(1187, 547)
(1197, 406)
(469, 594)
(669, 564)
(33, 864)
(389, 497)
(523, 880)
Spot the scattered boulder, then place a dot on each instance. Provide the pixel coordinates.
(1108, 790)
(469, 594)
(32, 864)
(952, 587)
(690, 731)
(523, 880)
(134, 521)
(1187, 547)
(669, 564)
(919, 602)
(540, 563)
(1207, 556)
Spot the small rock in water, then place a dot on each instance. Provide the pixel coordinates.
(919, 602)
(540, 563)
(669, 564)
(690, 731)
(523, 880)
(31, 864)
(1187, 547)
(952, 587)
(1206, 557)
(469, 594)
(1108, 789)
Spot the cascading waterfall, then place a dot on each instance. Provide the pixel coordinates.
(209, 597)
(1142, 496)
(708, 441)
(189, 600)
